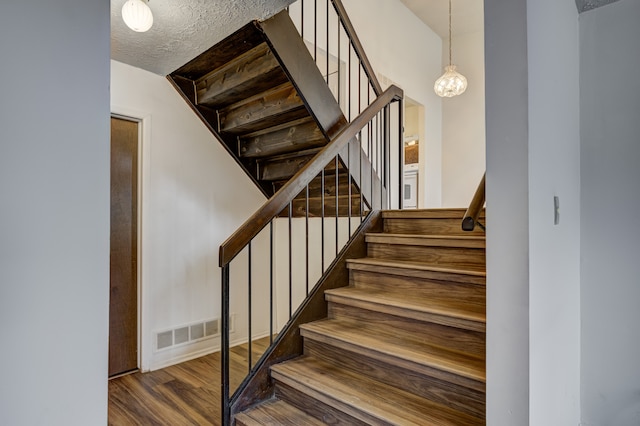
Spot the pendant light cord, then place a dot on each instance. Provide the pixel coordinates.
(450, 61)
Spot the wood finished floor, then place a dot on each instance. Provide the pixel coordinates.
(183, 394)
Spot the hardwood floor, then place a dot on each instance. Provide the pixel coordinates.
(183, 394)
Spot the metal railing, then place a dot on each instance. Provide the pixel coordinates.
(274, 260)
(334, 45)
(293, 264)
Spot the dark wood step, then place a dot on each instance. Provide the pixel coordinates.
(421, 270)
(275, 412)
(316, 189)
(428, 222)
(315, 206)
(422, 280)
(453, 338)
(449, 251)
(289, 137)
(467, 313)
(466, 400)
(267, 109)
(399, 350)
(337, 395)
(252, 72)
(284, 166)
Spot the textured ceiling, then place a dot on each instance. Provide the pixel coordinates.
(584, 5)
(182, 29)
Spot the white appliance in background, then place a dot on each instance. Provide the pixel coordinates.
(410, 200)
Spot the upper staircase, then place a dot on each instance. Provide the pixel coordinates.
(403, 343)
(260, 92)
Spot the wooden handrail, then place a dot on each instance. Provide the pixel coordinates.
(357, 46)
(471, 215)
(272, 207)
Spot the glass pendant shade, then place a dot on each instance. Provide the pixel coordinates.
(137, 15)
(451, 83)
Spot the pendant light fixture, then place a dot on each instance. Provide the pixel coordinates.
(451, 83)
(137, 15)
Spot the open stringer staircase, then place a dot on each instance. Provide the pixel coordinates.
(400, 338)
(260, 92)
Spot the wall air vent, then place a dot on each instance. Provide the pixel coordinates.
(187, 334)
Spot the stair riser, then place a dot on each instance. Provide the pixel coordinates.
(393, 361)
(267, 110)
(442, 256)
(316, 408)
(447, 226)
(315, 207)
(412, 285)
(469, 401)
(456, 339)
(296, 136)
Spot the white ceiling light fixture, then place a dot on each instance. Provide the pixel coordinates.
(137, 15)
(451, 83)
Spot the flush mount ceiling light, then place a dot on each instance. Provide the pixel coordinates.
(451, 83)
(137, 15)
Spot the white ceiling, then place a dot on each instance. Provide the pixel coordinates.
(182, 29)
(466, 15)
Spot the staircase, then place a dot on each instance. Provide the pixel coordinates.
(403, 343)
(394, 330)
(260, 92)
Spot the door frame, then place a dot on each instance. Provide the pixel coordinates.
(144, 136)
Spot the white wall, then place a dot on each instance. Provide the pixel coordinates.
(407, 52)
(463, 123)
(193, 197)
(610, 201)
(507, 212)
(554, 250)
(54, 232)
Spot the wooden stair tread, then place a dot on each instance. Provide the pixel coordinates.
(368, 400)
(390, 346)
(466, 241)
(402, 267)
(409, 305)
(276, 412)
(427, 214)
(230, 82)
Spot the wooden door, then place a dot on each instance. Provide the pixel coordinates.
(123, 304)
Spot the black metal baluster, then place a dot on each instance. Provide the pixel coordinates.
(327, 53)
(322, 222)
(306, 213)
(400, 155)
(249, 307)
(290, 262)
(337, 204)
(349, 186)
(358, 150)
(224, 358)
(271, 282)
